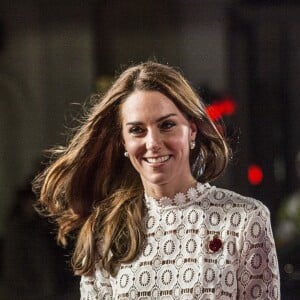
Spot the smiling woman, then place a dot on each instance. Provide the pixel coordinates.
(132, 187)
(157, 136)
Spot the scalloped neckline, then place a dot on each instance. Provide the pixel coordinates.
(179, 199)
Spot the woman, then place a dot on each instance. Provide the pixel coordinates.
(133, 185)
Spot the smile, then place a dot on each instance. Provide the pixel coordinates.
(160, 159)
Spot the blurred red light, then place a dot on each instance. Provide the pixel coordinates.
(228, 106)
(255, 174)
(219, 108)
(214, 112)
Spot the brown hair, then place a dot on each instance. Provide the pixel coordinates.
(91, 189)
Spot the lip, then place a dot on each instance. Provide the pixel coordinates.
(157, 159)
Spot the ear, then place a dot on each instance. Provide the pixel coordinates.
(193, 130)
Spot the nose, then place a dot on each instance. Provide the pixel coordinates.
(153, 140)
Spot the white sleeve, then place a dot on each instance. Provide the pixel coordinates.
(96, 286)
(258, 274)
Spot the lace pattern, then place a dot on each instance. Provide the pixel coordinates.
(177, 262)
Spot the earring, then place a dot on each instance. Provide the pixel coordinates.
(126, 154)
(192, 145)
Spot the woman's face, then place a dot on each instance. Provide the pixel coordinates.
(157, 137)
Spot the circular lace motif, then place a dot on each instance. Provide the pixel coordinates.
(144, 279)
(228, 280)
(235, 219)
(210, 275)
(256, 261)
(193, 217)
(246, 248)
(267, 275)
(180, 232)
(155, 293)
(171, 218)
(228, 205)
(191, 246)
(159, 233)
(157, 262)
(124, 281)
(255, 230)
(245, 278)
(197, 290)
(267, 246)
(179, 261)
(221, 262)
(148, 250)
(133, 293)
(151, 223)
(176, 292)
(231, 248)
(189, 274)
(203, 231)
(214, 218)
(219, 195)
(169, 247)
(166, 277)
(273, 261)
(257, 289)
(275, 292)
(205, 204)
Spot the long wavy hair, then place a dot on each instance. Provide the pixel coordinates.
(93, 192)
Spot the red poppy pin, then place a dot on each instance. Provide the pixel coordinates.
(215, 244)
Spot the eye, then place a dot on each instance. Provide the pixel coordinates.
(167, 125)
(136, 130)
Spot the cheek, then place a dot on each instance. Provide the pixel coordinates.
(126, 140)
(180, 141)
(133, 147)
(179, 147)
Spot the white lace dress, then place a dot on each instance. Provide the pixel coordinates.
(209, 243)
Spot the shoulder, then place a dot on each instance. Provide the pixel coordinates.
(247, 216)
(230, 199)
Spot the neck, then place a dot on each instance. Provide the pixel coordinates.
(158, 191)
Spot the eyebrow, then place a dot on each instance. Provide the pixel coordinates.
(158, 120)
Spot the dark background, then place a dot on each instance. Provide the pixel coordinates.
(55, 54)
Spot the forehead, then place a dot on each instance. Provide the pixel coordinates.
(146, 105)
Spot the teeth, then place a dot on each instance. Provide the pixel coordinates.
(157, 159)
